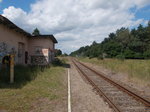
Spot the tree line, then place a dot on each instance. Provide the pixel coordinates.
(124, 43)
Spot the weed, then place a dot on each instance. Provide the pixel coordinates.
(48, 84)
(23, 74)
(139, 69)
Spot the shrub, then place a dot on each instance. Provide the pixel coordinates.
(100, 57)
(22, 74)
(147, 54)
(121, 57)
(58, 62)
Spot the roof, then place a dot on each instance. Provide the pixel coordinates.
(46, 36)
(11, 25)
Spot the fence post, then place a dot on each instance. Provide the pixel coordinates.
(11, 68)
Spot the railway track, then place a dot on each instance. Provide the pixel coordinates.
(118, 97)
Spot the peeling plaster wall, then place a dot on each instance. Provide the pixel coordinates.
(44, 43)
(9, 42)
(11, 39)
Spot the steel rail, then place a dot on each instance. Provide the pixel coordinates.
(99, 91)
(137, 97)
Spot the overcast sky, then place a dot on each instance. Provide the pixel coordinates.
(76, 23)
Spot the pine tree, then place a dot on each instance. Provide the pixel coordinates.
(36, 32)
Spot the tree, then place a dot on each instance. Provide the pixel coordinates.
(123, 36)
(58, 52)
(65, 54)
(94, 43)
(134, 44)
(36, 32)
(112, 35)
(149, 23)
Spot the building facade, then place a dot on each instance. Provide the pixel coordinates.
(28, 49)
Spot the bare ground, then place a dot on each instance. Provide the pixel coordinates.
(45, 105)
(141, 88)
(84, 98)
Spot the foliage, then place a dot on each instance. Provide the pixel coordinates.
(58, 52)
(65, 54)
(122, 44)
(36, 32)
(58, 62)
(23, 74)
(135, 69)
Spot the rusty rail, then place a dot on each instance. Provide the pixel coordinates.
(99, 91)
(137, 97)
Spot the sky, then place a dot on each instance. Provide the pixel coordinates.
(76, 23)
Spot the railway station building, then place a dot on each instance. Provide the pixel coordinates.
(28, 49)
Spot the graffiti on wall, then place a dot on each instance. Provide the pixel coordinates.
(3, 47)
(6, 49)
(39, 60)
(40, 57)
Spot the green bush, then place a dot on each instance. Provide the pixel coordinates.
(90, 57)
(147, 54)
(100, 57)
(58, 62)
(121, 57)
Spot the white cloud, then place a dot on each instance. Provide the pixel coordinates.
(76, 22)
(1, 1)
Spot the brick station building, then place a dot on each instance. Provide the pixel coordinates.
(28, 49)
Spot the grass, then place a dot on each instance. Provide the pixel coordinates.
(20, 97)
(138, 69)
(23, 75)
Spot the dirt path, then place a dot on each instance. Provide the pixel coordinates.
(83, 97)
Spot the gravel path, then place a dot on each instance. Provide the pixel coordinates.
(83, 97)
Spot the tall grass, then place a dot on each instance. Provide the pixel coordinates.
(139, 69)
(48, 84)
(22, 75)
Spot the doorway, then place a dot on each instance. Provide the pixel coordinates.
(21, 53)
